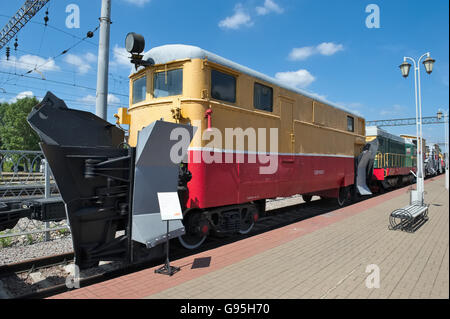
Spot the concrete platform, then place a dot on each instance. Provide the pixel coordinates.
(326, 256)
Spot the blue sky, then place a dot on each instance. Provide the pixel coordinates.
(322, 46)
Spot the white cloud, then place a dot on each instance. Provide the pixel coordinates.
(300, 79)
(301, 53)
(40, 63)
(21, 95)
(90, 57)
(325, 48)
(329, 48)
(113, 99)
(240, 18)
(120, 57)
(81, 64)
(30, 62)
(90, 99)
(269, 6)
(139, 3)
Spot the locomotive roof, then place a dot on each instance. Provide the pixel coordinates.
(376, 131)
(172, 52)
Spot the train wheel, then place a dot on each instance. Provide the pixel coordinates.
(248, 220)
(343, 196)
(190, 241)
(307, 198)
(197, 230)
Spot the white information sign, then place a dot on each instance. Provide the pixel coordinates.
(169, 206)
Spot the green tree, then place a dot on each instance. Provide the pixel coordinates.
(2, 110)
(15, 132)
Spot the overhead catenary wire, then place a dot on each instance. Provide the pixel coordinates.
(59, 82)
(55, 28)
(70, 34)
(14, 75)
(53, 91)
(80, 98)
(25, 13)
(85, 104)
(45, 28)
(112, 75)
(60, 54)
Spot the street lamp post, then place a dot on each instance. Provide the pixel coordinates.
(418, 194)
(439, 115)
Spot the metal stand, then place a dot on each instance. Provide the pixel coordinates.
(167, 269)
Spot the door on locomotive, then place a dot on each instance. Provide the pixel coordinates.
(286, 136)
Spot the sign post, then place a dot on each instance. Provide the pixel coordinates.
(170, 209)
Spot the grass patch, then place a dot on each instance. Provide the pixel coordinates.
(5, 241)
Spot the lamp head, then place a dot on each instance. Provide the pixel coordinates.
(405, 67)
(428, 63)
(134, 43)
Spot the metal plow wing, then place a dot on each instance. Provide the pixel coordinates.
(365, 167)
(156, 172)
(96, 174)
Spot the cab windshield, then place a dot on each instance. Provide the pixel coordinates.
(168, 83)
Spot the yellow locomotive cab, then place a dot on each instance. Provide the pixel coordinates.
(187, 89)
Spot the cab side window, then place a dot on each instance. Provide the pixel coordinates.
(139, 89)
(350, 124)
(223, 86)
(168, 83)
(263, 97)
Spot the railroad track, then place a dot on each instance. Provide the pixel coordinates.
(11, 191)
(273, 219)
(35, 264)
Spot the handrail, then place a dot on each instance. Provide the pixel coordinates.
(392, 160)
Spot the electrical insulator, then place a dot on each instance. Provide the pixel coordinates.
(46, 17)
(90, 34)
(15, 45)
(7, 53)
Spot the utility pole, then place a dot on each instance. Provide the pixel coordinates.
(446, 150)
(101, 101)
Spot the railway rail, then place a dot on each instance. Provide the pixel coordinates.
(24, 191)
(35, 264)
(274, 218)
